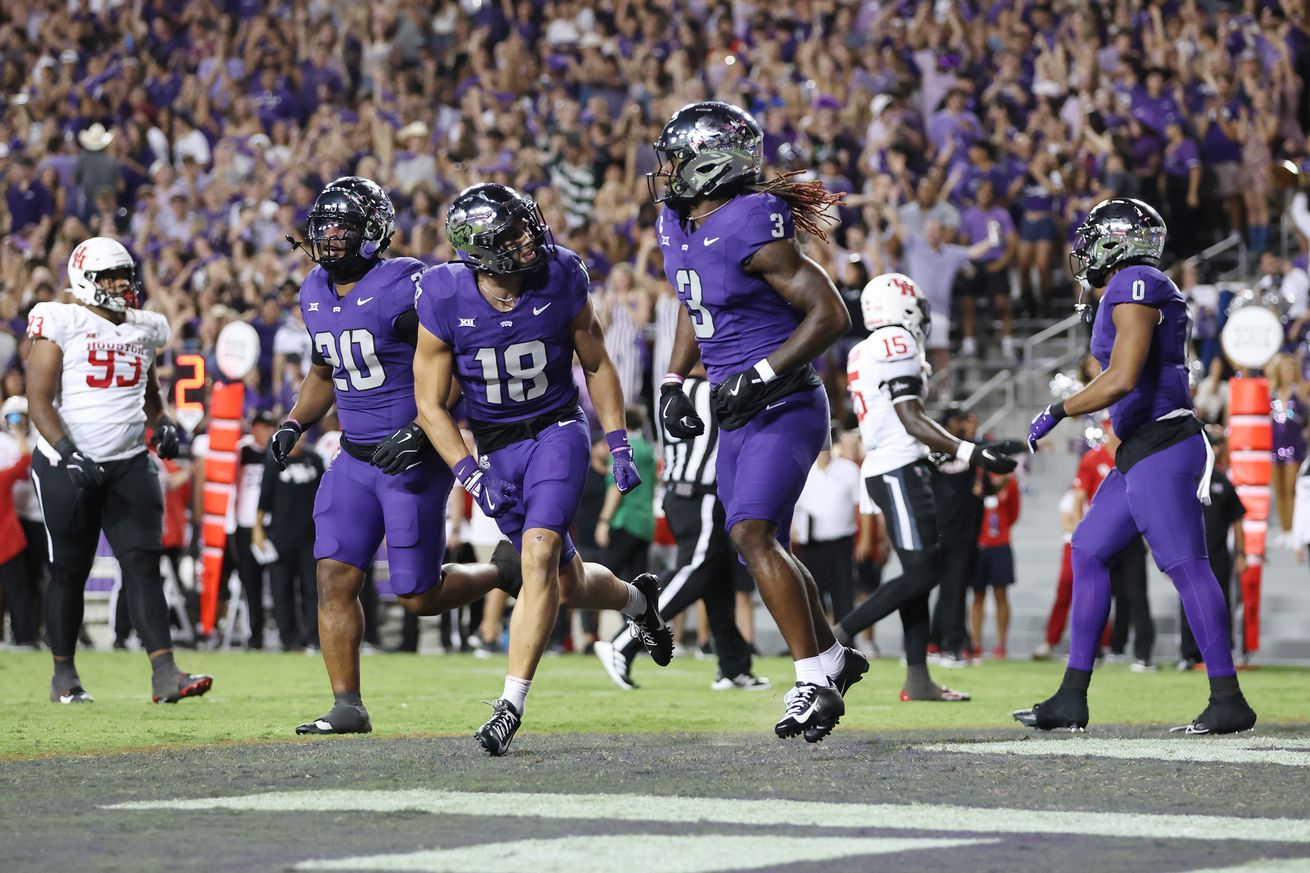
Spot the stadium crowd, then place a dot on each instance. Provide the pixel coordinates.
(969, 138)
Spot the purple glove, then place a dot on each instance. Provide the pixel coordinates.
(494, 496)
(1044, 423)
(626, 476)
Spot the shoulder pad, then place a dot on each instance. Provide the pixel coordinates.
(892, 343)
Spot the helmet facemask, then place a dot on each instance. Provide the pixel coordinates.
(117, 289)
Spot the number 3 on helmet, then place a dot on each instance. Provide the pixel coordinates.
(95, 271)
(894, 299)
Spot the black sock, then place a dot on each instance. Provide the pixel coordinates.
(348, 698)
(66, 674)
(163, 665)
(1076, 681)
(1224, 686)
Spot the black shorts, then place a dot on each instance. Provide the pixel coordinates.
(906, 499)
(129, 507)
(985, 286)
(995, 568)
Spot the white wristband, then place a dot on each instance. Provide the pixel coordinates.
(765, 371)
(673, 377)
(965, 451)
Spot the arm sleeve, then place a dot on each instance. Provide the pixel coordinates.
(406, 327)
(908, 387)
(768, 219)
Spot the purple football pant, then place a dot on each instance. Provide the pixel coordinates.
(1158, 499)
(357, 504)
(762, 466)
(550, 471)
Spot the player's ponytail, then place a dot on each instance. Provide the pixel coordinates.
(809, 201)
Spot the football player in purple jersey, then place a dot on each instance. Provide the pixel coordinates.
(388, 481)
(756, 311)
(506, 323)
(1162, 467)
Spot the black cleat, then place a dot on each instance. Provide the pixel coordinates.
(343, 718)
(852, 671)
(1066, 711)
(616, 665)
(1224, 715)
(811, 710)
(188, 685)
(649, 627)
(496, 735)
(75, 694)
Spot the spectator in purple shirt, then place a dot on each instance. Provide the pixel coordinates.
(954, 127)
(1182, 187)
(987, 221)
(1152, 105)
(266, 324)
(31, 205)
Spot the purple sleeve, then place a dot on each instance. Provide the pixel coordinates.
(428, 292)
(405, 281)
(768, 219)
(579, 285)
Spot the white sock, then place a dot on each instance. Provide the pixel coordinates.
(811, 670)
(516, 691)
(636, 601)
(834, 660)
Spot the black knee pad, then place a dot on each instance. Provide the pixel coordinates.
(507, 562)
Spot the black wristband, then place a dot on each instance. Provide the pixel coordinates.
(65, 447)
(1057, 411)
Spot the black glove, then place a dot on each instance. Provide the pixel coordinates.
(737, 394)
(990, 457)
(400, 451)
(283, 441)
(81, 469)
(165, 439)
(678, 412)
(1007, 447)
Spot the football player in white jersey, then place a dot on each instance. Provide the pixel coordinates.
(887, 373)
(92, 391)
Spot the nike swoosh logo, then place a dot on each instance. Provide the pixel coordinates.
(735, 391)
(323, 725)
(491, 504)
(564, 423)
(709, 241)
(538, 310)
(362, 301)
(805, 716)
(405, 438)
(775, 405)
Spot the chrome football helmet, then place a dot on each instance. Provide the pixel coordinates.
(705, 150)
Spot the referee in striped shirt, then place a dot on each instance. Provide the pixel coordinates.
(706, 559)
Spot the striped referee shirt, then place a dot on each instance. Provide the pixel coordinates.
(691, 462)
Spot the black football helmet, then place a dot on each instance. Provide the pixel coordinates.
(498, 229)
(1117, 232)
(706, 149)
(350, 226)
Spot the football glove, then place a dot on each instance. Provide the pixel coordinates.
(678, 413)
(737, 394)
(165, 439)
(626, 476)
(992, 459)
(400, 451)
(81, 469)
(494, 496)
(283, 441)
(1044, 423)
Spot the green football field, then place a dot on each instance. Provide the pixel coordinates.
(261, 697)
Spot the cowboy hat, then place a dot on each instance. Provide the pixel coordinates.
(95, 137)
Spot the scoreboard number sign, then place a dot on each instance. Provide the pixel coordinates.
(189, 391)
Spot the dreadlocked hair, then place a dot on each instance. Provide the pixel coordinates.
(809, 201)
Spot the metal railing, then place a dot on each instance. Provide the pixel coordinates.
(1036, 373)
(1004, 382)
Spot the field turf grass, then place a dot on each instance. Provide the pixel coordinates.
(261, 697)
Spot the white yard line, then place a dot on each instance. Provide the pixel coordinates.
(1286, 752)
(791, 813)
(637, 853)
